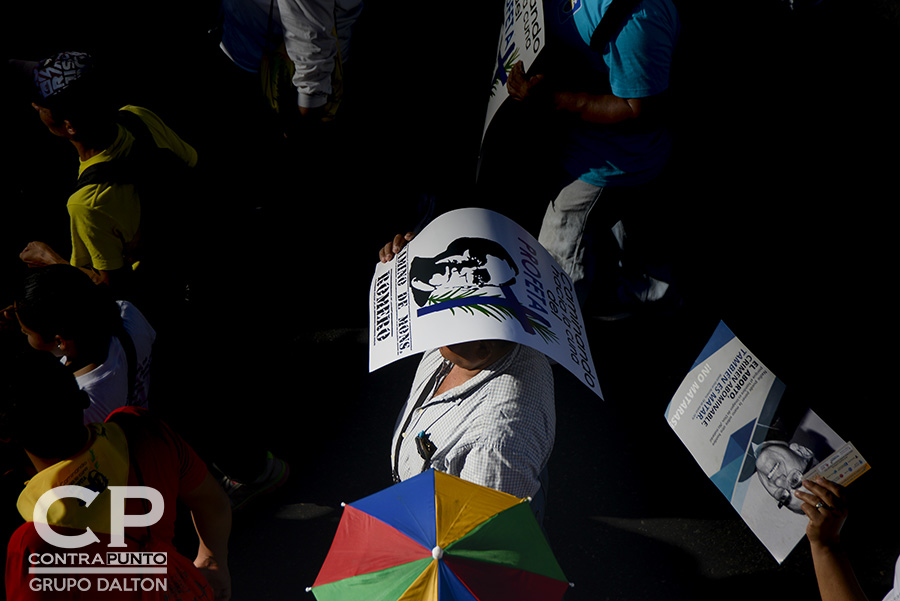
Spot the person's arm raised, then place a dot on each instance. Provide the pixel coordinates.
(602, 109)
(826, 509)
(211, 511)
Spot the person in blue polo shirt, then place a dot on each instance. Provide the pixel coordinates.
(610, 97)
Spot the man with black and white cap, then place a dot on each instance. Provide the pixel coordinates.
(121, 153)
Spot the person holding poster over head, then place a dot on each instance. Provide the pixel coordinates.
(474, 274)
(606, 77)
(482, 410)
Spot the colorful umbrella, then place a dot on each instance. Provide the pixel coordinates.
(436, 537)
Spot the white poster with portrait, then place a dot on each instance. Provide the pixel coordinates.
(473, 274)
(728, 413)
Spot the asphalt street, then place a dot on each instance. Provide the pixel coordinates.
(774, 219)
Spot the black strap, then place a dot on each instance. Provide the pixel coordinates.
(131, 421)
(131, 357)
(122, 170)
(612, 19)
(159, 174)
(142, 165)
(270, 29)
(426, 392)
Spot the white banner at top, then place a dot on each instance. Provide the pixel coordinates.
(522, 37)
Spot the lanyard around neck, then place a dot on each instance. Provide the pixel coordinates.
(427, 391)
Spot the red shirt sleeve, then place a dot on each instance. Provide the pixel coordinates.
(158, 449)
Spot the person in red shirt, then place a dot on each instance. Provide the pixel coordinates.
(41, 410)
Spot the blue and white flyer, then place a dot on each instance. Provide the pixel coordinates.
(728, 413)
(473, 274)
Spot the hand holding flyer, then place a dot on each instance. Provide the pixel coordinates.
(727, 413)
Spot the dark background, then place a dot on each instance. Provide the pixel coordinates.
(777, 216)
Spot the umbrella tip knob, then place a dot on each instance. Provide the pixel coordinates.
(437, 552)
